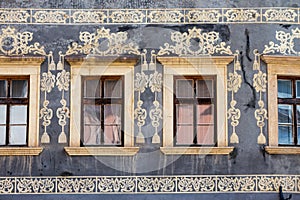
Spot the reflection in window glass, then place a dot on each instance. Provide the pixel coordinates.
(3, 88)
(17, 135)
(18, 114)
(298, 89)
(285, 135)
(2, 135)
(284, 88)
(92, 88)
(184, 88)
(112, 88)
(2, 114)
(285, 114)
(19, 88)
(205, 88)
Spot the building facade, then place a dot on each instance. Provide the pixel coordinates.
(146, 99)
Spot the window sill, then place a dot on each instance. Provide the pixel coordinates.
(282, 150)
(20, 151)
(196, 150)
(101, 151)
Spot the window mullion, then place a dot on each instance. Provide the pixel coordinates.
(195, 112)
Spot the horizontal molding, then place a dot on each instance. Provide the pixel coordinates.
(20, 151)
(282, 150)
(196, 150)
(282, 15)
(101, 151)
(150, 184)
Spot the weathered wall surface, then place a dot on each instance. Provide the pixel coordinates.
(248, 157)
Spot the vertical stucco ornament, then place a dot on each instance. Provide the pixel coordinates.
(260, 85)
(209, 45)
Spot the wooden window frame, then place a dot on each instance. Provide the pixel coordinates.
(101, 66)
(8, 101)
(195, 66)
(195, 101)
(102, 101)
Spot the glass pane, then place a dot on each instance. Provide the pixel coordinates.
(184, 135)
(298, 89)
(298, 115)
(3, 88)
(205, 114)
(184, 88)
(112, 134)
(19, 88)
(285, 114)
(17, 135)
(284, 89)
(205, 135)
(92, 135)
(2, 135)
(2, 114)
(92, 88)
(285, 135)
(18, 115)
(298, 135)
(205, 88)
(113, 88)
(184, 114)
(112, 114)
(92, 114)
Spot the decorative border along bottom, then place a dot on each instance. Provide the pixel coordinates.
(149, 184)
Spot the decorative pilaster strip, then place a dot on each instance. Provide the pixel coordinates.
(140, 114)
(260, 85)
(233, 85)
(62, 113)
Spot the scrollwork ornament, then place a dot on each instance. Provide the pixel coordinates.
(76, 185)
(242, 15)
(155, 82)
(35, 185)
(198, 15)
(140, 82)
(46, 115)
(63, 80)
(108, 185)
(234, 82)
(282, 15)
(47, 82)
(7, 185)
(208, 44)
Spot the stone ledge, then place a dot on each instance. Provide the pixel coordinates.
(282, 150)
(20, 151)
(197, 150)
(101, 151)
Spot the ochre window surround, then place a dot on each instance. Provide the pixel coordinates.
(101, 66)
(278, 66)
(30, 67)
(215, 66)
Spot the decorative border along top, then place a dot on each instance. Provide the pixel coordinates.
(150, 16)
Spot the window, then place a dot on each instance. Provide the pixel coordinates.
(102, 111)
(283, 83)
(19, 105)
(288, 110)
(194, 104)
(14, 103)
(196, 121)
(102, 96)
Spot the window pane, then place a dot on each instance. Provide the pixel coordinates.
(19, 88)
(92, 88)
(205, 135)
(298, 131)
(2, 114)
(184, 88)
(184, 114)
(298, 115)
(3, 88)
(205, 88)
(112, 124)
(17, 135)
(92, 135)
(285, 114)
(284, 89)
(205, 114)
(112, 114)
(298, 89)
(285, 135)
(2, 135)
(184, 135)
(18, 115)
(92, 114)
(113, 88)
